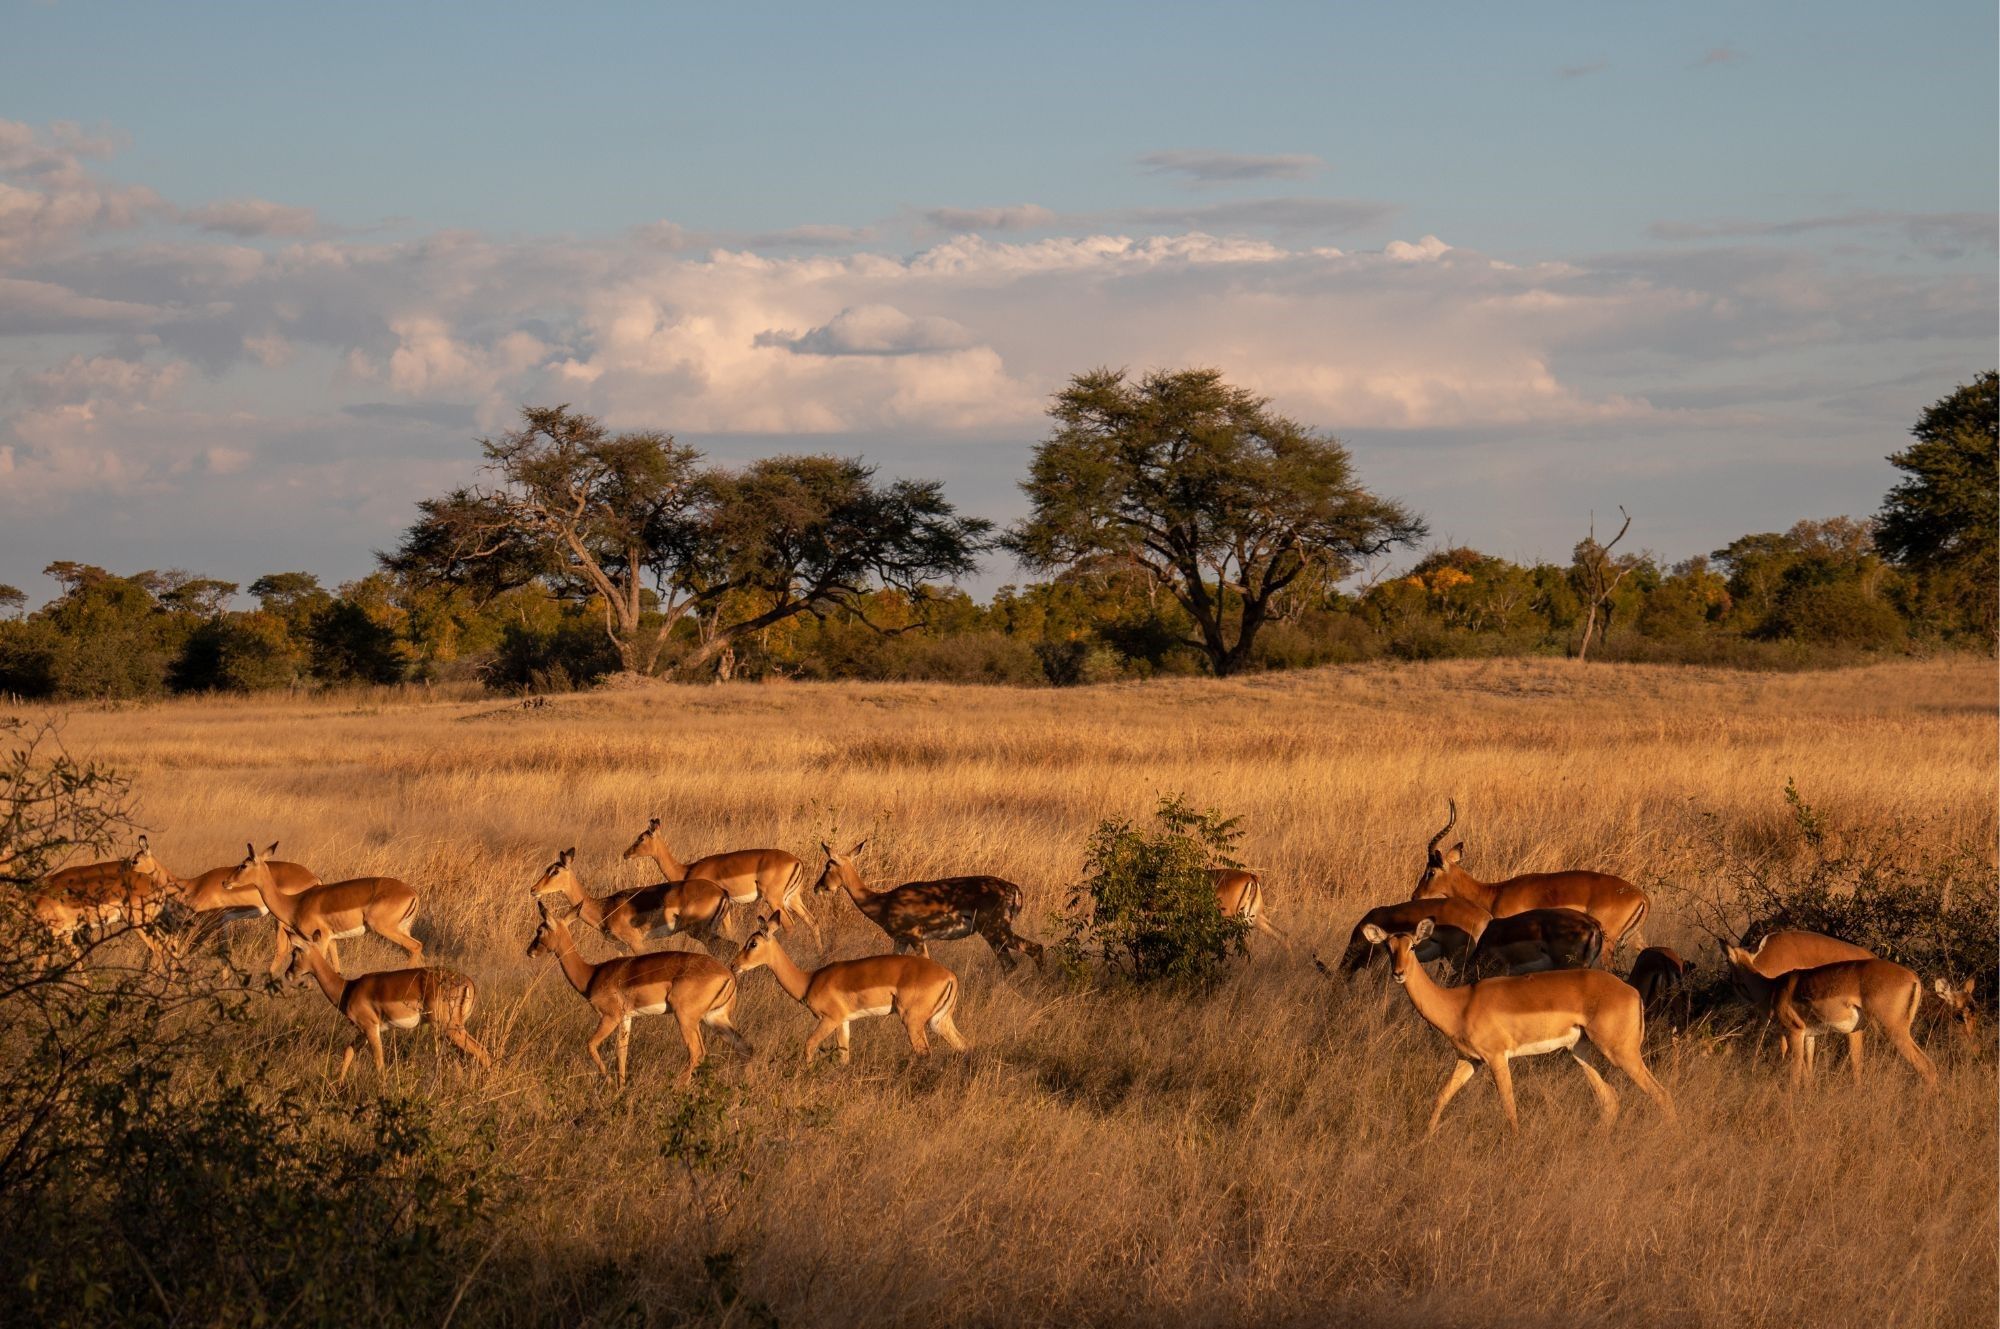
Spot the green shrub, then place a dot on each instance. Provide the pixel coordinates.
(1146, 907)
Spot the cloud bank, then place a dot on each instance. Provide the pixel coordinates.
(240, 366)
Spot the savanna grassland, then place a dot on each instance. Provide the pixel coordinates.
(1120, 1157)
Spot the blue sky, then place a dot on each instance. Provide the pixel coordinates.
(266, 270)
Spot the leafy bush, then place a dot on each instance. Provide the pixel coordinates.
(135, 1192)
(1146, 907)
(1932, 913)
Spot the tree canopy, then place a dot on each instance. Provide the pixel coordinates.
(1940, 519)
(1207, 492)
(635, 524)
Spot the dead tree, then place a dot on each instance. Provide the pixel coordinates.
(1599, 576)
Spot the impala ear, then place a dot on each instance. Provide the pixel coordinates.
(1376, 936)
(653, 825)
(1967, 988)
(826, 848)
(1456, 852)
(249, 852)
(859, 845)
(1425, 927)
(1942, 988)
(568, 856)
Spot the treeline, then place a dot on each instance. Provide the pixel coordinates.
(1182, 527)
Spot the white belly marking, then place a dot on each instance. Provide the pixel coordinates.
(1563, 1044)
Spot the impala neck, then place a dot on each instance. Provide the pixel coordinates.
(1463, 885)
(278, 903)
(330, 981)
(1442, 1008)
(576, 969)
(790, 977)
(671, 867)
(857, 890)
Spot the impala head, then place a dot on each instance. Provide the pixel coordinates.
(1958, 1007)
(544, 940)
(756, 951)
(650, 843)
(143, 862)
(1402, 946)
(839, 869)
(298, 970)
(557, 876)
(1439, 862)
(254, 867)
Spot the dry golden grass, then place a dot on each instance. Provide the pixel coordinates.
(1142, 1159)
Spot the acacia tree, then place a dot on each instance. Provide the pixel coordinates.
(1940, 520)
(808, 535)
(592, 513)
(634, 524)
(1206, 492)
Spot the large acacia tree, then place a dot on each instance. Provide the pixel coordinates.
(1205, 491)
(636, 525)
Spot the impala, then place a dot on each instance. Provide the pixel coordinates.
(696, 988)
(920, 912)
(772, 875)
(1780, 953)
(211, 892)
(1612, 901)
(918, 989)
(135, 891)
(332, 912)
(1240, 894)
(399, 998)
(1660, 977)
(1834, 998)
(694, 906)
(1538, 939)
(1455, 927)
(1491, 1022)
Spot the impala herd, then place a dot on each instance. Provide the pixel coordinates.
(1528, 956)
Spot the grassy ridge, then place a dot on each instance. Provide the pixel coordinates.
(1124, 1158)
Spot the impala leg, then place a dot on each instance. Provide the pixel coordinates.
(1460, 1073)
(1503, 1080)
(843, 1038)
(826, 1028)
(347, 1059)
(795, 907)
(913, 1024)
(374, 1032)
(721, 1019)
(1854, 1053)
(400, 935)
(1632, 1061)
(1607, 1101)
(624, 1047)
(942, 1022)
(1919, 1062)
(605, 1028)
(466, 1043)
(691, 1035)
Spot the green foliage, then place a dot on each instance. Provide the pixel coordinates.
(221, 1204)
(1941, 519)
(1205, 492)
(1932, 912)
(1146, 907)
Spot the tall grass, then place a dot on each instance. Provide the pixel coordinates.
(1127, 1157)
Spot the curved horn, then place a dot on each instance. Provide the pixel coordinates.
(1432, 847)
